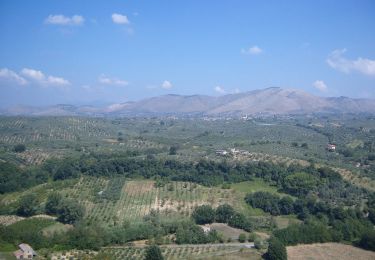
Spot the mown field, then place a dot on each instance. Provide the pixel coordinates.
(328, 251)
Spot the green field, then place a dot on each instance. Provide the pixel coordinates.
(254, 186)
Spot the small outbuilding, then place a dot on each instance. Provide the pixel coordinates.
(25, 251)
(331, 147)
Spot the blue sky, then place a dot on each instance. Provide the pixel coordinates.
(97, 52)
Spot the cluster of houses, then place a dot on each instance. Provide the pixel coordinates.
(234, 151)
(231, 151)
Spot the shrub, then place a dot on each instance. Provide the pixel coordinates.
(252, 237)
(242, 238)
(19, 148)
(260, 244)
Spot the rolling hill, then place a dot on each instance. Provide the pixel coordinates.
(270, 101)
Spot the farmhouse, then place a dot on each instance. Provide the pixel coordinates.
(221, 152)
(331, 147)
(25, 252)
(234, 151)
(206, 228)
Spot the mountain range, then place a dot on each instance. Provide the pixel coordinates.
(269, 101)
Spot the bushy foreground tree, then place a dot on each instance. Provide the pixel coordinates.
(276, 250)
(27, 205)
(153, 252)
(53, 203)
(224, 213)
(368, 240)
(203, 214)
(19, 148)
(70, 212)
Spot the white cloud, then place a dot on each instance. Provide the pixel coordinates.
(236, 91)
(254, 50)
(112, 81)
(337, 61)
(10, 75)
(41, 79)
(60, 19)
(166, 84)
(33, 74)
(57, 80)
(220, 90)
(120, 19)
(320, 85)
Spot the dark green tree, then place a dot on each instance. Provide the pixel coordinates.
(276, 250)
(87, 237)
(53, 203)
(173, 149)
(27, 205)
(300, 183)
(70, 212)
(224, 213)
(368, 240)
(240, 221)
(286, 205)
(153, 252)
(203, 214)
(19, 148)
(189, 233)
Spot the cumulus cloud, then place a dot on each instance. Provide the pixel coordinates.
(33, 74)
(166, 84)
(320, 85)
(254, 50)
(38, 77)
(337, 61)
(111, 81)
(120, 19)
(57, 81)
(220, 90)
(11, 76)
(60, 19)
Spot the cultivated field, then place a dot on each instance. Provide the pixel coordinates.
(170, 252)
(138, 197)
(112, 202)
(328, 251)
